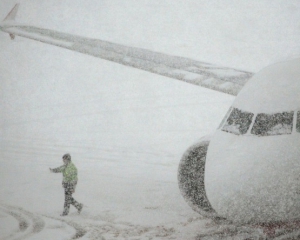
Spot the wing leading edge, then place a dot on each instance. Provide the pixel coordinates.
(218, 78)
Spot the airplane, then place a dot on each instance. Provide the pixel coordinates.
(247, 171)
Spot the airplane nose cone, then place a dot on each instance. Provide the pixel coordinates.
(249, 180)
(251, 175)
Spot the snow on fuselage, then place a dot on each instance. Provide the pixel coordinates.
(252, 171)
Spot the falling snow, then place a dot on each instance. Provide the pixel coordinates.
(127, 129)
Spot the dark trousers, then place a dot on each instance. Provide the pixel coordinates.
(69, 190)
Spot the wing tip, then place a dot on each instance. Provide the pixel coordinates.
(12, 14)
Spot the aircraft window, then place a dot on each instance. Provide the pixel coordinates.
(273, 124)
(238, 122)
(298, 122)
(224, 119)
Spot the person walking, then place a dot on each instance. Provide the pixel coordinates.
(69, 183)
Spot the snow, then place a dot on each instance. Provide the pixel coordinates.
(126, 129)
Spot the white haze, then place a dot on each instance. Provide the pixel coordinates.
(126, 129)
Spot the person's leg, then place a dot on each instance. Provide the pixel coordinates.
(72, 201)
(68, 200)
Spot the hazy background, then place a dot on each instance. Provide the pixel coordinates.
(126, 129)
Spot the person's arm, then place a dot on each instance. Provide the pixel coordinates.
(58, 169)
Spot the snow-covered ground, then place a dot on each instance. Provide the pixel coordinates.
(126, 129)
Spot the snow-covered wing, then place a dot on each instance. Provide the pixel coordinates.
(218, 78)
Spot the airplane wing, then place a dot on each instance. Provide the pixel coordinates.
(223, 79)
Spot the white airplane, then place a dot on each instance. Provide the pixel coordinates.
(248, 171)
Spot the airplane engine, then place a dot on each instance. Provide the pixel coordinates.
(191, 178)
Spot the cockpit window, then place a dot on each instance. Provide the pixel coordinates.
(238, 122)
(273, 124)
(224, 119)
(298, 122)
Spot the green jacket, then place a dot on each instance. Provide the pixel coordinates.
(69, 172)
